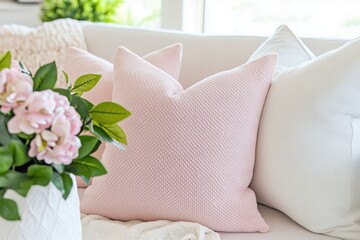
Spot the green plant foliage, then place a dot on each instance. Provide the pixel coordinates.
(109, 113)
(81, 106)
(40, 174)
(5, 60)
(19, 152)
(85, 83)
(114, 131)
(45, 77)
(5, 135)
(8, 210)
(6, 160)
(89, 144)
(87, 10)
(87, 166)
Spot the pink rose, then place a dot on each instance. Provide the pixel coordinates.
(66, 122)
(61, 101)
(42, 142)
(35, 115)
(15, 87)
(74, 118)
(51, 148)
(54, 121)
(61, 125)
(67, 151)
(43, 110)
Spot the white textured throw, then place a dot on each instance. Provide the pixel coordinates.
(100, 228)
(46, 43)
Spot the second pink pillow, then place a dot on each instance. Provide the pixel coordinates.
(79, 62)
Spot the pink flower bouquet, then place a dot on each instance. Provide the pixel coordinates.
(41, 131)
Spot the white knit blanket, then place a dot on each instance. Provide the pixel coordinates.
(46, 43)
(100, 228)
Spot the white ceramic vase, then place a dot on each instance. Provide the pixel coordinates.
(45, 215)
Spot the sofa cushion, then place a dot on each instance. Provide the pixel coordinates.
(290, 49)
(79, 62)
(308, 154)
(38, 46)
(191, 152)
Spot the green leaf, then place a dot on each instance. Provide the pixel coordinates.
(9, 210)
(40, 174)
(6, 159)
(88, 167)
(68, 184)
(89, 144)
(66, 76)
(19, 152)
(45, 77)
(85, 83)
(101, 134)
(17, 181)
(23, 187)
(88, 103)
(64, 92)
(24, 69)
(25, 136)
(81, 105)
(109, 113)
(9, 179)
(58, 167)
(5, 135)
(115, 132)
(57, 180)
(5, 60)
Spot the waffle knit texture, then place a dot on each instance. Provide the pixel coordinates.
(38, 46)
(191, 152)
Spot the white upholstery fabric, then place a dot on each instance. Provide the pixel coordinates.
(203, 56)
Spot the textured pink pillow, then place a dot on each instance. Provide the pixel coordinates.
(78, 62)
(191, 152)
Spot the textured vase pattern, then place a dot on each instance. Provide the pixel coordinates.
(45, 215)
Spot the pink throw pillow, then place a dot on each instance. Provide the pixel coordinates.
(190, 152)
(78, 62)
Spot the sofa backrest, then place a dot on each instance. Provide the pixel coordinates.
(203, 54)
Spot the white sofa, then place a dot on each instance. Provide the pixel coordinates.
(204, 55)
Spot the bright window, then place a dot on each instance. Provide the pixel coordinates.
(308, 18)
(143, 13)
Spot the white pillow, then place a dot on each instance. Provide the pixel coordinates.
(291, 50)
(308, 152)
